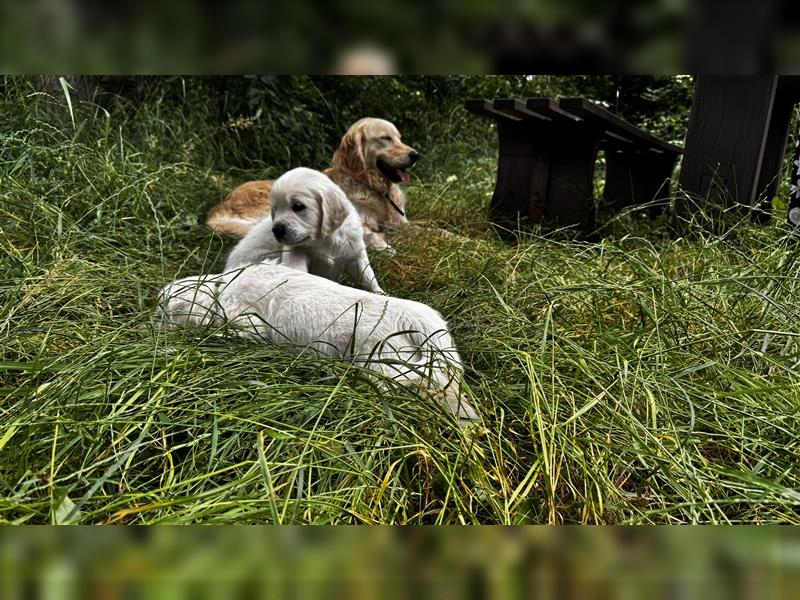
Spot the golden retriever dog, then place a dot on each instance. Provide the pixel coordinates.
(313, 227)
(368, 165)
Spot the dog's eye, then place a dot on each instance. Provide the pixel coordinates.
(298, 207)
(388, 138)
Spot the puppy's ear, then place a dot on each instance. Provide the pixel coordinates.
(333, 205)
(350, 156)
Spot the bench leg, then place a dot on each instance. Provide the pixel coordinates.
(522, 173)
(570, 198)
(636, 178)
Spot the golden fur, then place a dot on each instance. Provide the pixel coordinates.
(368, 165)
(243, 208)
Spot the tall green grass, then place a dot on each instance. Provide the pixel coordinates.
(645, 378)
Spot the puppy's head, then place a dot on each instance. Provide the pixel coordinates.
(374, 144)
(306, 206)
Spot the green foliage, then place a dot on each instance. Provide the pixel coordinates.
(287, 121)
(641, 379)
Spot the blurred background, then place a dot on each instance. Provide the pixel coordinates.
(364, 563)
(389, 36)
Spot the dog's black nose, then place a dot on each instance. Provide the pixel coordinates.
(279, 230)
(413, 156)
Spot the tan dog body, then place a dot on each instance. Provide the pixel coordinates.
(368, 165)
(376, 212)
(244, 207)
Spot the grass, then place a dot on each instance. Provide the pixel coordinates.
(645, 378)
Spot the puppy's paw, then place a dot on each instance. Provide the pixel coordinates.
(387, 250)
(376, 241)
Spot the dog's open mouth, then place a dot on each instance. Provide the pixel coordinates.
(393, 174)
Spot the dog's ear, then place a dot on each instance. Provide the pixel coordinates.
(350, 156)
(333, 205)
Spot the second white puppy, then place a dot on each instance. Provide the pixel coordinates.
(313, 227)
(405, 340)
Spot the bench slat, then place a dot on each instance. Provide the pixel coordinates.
(590, 111)
(621, 143)
(547, 107)
(516, 108)
(617, 137)
(484, 108)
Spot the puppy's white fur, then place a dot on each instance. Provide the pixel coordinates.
(322, 232)
(405, 340)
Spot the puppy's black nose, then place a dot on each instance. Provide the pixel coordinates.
(413, 156)
(279, 230)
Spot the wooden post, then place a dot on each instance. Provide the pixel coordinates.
(777, 136)
(727, 138)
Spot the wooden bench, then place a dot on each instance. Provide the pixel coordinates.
(547, 156)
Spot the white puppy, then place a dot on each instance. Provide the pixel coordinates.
(405, 340)
(313, 227)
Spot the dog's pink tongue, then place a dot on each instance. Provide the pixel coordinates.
(404, 176)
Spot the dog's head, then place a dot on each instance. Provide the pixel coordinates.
(374, 144)
(306, 206)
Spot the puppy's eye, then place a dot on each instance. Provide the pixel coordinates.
(298, 207)
(388, 138)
